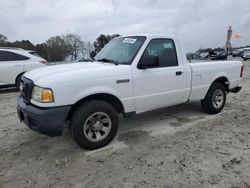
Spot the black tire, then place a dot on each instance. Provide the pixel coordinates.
(81, 117)
(18, 81)
(244, 59)
(208, 105)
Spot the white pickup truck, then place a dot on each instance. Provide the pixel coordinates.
(130, 75)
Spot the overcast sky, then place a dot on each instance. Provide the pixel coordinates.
(197, 22)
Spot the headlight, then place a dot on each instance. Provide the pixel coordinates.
(44, 95)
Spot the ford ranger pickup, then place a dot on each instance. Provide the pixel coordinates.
(130, 75)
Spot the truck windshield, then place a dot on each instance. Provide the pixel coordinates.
(121, 50)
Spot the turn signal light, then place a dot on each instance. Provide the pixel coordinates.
(47, 96)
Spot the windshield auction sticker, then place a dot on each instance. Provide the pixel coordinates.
(129, 40)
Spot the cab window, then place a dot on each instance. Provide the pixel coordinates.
(161, 50)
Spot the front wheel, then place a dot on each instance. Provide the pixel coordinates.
(215, 99)
(94, 124)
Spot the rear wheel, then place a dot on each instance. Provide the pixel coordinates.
(215, 99)
(94, 124)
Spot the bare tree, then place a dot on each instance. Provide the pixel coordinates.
(56, 49)
(3, 39)
(74, 44)
(102, 40)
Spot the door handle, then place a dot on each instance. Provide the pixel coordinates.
(178, 73)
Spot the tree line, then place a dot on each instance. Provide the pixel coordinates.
(60, 47)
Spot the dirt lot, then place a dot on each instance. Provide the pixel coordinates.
(172, 147)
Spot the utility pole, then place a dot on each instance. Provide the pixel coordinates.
(86, 50)
(85, 30)
(228, 45)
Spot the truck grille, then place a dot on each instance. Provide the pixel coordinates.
(26, 87)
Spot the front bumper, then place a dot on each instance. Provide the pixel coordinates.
(48, 121)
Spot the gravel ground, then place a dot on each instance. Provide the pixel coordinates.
(172, 147)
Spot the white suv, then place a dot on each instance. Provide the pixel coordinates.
(14, 62)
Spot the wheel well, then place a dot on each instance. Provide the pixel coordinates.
(224, 81)
(111, 99)
(18, 76)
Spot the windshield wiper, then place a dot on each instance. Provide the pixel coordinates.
(105, 60)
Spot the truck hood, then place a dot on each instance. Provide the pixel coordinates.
(75, 72)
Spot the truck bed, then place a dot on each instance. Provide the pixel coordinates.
(206, 72)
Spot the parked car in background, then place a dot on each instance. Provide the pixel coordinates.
(204, 55)
(242, 51)
(246, 55)
(85, 60)
(14, 62)
(130, 75)
(193, 56)
(216, 55)
(220, 56)
(236, 53)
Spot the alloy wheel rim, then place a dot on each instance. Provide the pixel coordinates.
(97, 126)
(218, 98)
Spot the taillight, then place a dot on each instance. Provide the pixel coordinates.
(44, 62)
(241, 71)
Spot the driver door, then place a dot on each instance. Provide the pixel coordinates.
(162, 83)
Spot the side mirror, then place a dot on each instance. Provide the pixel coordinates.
(147, 62)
